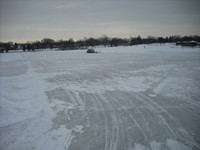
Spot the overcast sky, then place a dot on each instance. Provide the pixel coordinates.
(29, 20)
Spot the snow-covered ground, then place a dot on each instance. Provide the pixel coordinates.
(124, 98)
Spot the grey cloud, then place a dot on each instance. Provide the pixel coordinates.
(79, 18)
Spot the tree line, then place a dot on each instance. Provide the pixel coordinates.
(105, 41)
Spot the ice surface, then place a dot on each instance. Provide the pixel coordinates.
(130, 98)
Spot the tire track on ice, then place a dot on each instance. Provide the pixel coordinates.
(156, 111)
(112, 125)
(195, 114)
(93, 126)
(102, 108)
(133, 119)
(119, 107)
(178, 136)
(106, 129)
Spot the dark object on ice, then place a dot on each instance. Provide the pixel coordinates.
(91, 51)
(187, 43)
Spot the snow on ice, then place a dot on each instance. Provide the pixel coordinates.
(131, 98)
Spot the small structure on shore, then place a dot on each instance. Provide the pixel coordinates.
(188, 43)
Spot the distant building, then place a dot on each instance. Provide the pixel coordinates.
(188, 43)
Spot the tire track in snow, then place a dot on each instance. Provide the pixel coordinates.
(146, 102)
(94, 125)
(117, 120)
(112, 122)
(106, 128)
(195, 114)
(101, 108)
(133, 119)
(100, 113)
(120, 108)
(114, 135)
(156, 105)
(178, 136)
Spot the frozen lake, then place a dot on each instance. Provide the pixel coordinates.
(123, 98)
